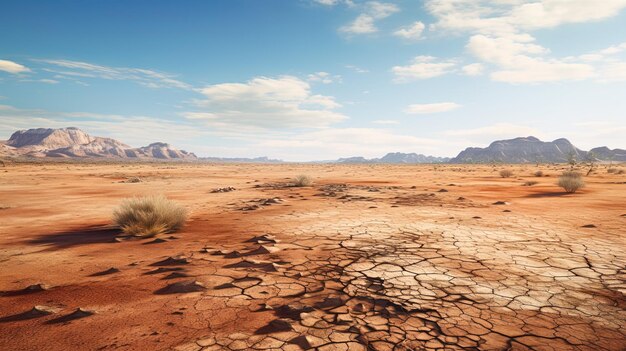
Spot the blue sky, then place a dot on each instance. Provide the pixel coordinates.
(317, 79)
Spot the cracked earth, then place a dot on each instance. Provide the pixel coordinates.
(368, 258)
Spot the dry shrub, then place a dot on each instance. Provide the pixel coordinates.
(538, 174)
(149, 216)
(302, 180)
(571, 181)
(530, 183)
(132, 180)
(506, 173)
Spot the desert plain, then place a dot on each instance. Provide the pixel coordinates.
(370, 257)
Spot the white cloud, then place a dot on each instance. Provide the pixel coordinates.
(614, 49)
(49, 81)
(145, 77)
(515, 55)
(357, 69)
(431, 108)
(473, 69)
(327, 2)
(500, 34)
(12, 67)
(613, 72)
(412, 32)
(380, 10)
(323, 77)
(365, 22)
(536, 71)
(422, 67)
(331, 3)
(510, 16)
(267, 103)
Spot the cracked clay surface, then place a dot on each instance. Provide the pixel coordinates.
(368, 258)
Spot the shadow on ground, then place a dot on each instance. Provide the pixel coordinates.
(548, 194)
(81, 236)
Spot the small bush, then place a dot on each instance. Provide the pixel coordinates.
(530, 183)
(149, 216)
(302, 180)
(506, 173)
(538, 174)
(571, 181)
(132, 180)
(611, 170)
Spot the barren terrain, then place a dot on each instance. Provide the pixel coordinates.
(371, 257)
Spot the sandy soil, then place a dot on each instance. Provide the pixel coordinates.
(371, 257)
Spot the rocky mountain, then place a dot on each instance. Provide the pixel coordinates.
(75, 143)
(355, 159)
(606, 154)
(396, 158)
(49, 139)
(399, 157)
(160, 151)
(521, 150)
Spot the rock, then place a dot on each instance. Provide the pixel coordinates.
(155, 241)
(27, 290)
(35, 312)
(105, 272)
(275, 326)
(164, 269)
(223, 190)
(183, 287)
(172, 261)
(77, 314)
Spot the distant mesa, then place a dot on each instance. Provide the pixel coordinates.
(396, 158)
(74, 143)
(532, 150)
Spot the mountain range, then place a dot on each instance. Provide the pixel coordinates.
(74, 143)
(532, 150)
(396, 157)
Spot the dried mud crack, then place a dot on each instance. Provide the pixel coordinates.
(424, 270)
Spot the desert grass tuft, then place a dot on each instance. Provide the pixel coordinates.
(571, 181)
(149, 216)
(530, 183)
(538, 174)
(506, 173)
(302, 180)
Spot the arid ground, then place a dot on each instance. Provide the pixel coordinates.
(371, 257)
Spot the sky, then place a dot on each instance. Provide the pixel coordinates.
(303, 80)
